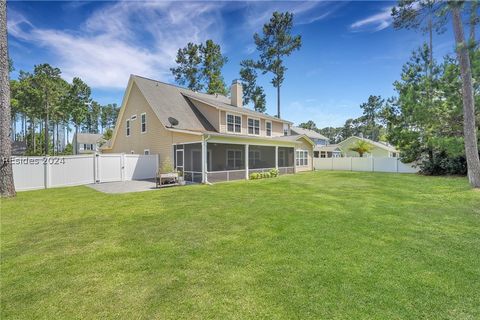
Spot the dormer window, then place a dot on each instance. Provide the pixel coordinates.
(253, 126)
(234, 123)
(268, 128)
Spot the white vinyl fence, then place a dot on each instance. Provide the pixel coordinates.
(371, 164)
(31, 173)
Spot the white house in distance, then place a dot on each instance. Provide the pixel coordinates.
(322, 149)
(86, 143)
(379, 149)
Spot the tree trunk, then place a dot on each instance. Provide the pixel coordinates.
(7, 187)
(278, 101)
(469, 127)
(75, 142)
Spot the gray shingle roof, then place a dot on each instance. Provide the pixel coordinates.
(168, 100)
(381, 145)
(88, 138)
(309, 133)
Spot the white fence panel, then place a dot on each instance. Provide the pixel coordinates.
(369, 164)
(322, 163)
(70, 171)
(341, 164)
(28, 173)
(362, 164)
(138, 167)
(109, 167)
(407, 167)
(384, 164)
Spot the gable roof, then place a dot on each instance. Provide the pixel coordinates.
(328, 148)
(88, 138)
(380, 145)
(226, 106)
(309, 133)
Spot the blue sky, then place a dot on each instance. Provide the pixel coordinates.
(349, 51)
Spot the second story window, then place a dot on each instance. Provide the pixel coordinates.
(268, 128)
(234, 123)
(144, 122)
(128, 128)
(253, 126)
(285, 129)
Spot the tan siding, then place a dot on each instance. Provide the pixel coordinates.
(210, 113)
(157, 139)
(306, 146)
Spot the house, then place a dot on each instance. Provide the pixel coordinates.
(379, 149)
(207, 138)
(86, 143)
(322, 148)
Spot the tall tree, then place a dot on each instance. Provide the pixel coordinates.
(371, 109)
(469, 127)
(310, 125)
(212, 63)
(251, 91)
(274, 45)
(189, 70)
(48, 81)
(7, 187)
(78, 99)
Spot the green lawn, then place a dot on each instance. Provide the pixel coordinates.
(337, 245)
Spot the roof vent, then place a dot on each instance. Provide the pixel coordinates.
(173, 121)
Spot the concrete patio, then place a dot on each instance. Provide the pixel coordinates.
(124, 186)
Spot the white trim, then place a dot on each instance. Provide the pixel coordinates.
(271, 128)
(259, 126)
(234, 124)
(181, 143)
(141, 123)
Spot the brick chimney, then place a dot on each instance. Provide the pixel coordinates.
(236, 92)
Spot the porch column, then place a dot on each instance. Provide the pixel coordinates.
(294, 160)
(276, 157)
(246, 161)
(204, 162)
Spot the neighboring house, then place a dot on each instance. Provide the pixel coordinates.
(322, 149)
(329, 151)
(86, 143)
(379, 149)
(317, 138)
(208, 138)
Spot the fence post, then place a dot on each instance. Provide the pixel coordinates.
(46, 173)
(351, 163)
(373, 164)
(396, 165)
(122, 166)
(331, 167)
(96, 168)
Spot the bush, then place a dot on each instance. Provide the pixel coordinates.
(254, 176)
(273, 173)
(442, 164)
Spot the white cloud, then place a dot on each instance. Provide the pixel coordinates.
(112, 44)
(378, 21)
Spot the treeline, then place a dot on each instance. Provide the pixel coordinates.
(45, 108)
(425, 119)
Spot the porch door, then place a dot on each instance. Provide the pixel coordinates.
(179, 160)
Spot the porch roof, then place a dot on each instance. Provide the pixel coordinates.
(291, 140)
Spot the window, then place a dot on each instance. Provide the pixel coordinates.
(268, 128)
(234, 159)
(143, 118)
(87, 146)
(302, 158)
(316, 154)
(146, 152)
(134, 117)
(253, 126)
(285, 129)
(253, 158)
(128, 128)
(234, 123)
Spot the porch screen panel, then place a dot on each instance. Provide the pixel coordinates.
(261, 157)
(225, 157)
(285, 157)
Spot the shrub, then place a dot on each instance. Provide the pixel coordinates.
(254, 176)
(273, 173)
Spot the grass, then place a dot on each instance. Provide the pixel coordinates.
(340, 245)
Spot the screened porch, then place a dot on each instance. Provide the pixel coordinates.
(225, 162)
